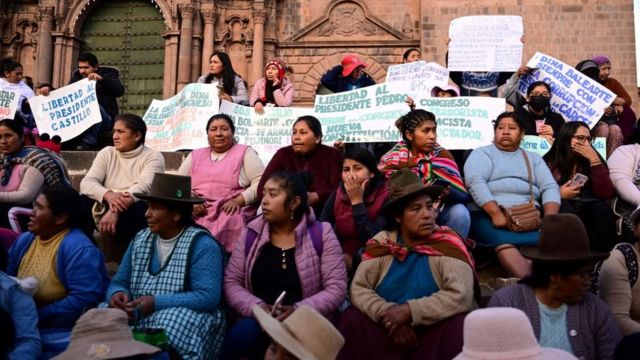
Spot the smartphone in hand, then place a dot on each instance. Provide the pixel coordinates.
(579, 179)
(277, 303)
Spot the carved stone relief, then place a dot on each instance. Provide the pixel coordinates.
(347, 19)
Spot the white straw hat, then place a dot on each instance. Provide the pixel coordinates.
(305, 333)
(503, 333)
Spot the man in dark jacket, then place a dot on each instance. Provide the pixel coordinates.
(349, 75)
(108, 88)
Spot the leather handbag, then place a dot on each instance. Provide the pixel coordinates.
(525, 217)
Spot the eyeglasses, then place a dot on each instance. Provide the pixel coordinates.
(582, 138)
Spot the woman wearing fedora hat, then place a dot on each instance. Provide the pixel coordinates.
(171, 275)
(414, 285)
(283, 251)
(419, 151)
(555, 296)
(501, 176)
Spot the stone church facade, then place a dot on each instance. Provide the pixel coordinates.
(159, 46)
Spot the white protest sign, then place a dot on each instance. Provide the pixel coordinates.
(8, 103)
(485, 43)
(464, 122)
(573, 95)
(541, 146)
(363, 115)
(416, 78)
(179, 122)
(265, 133)
(68, 111)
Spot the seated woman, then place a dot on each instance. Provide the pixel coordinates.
(554, 296)
(11, 79)
(618, 282)
(503, 175)
(231, 87)
(626, 118)
(19, 183)
(414, 286)
(433, 164)
(68, 266)
(624, 171)
(536, 114)
(307, 154)
(283, 250)
(116, 173)
(572, 154)
(274, 88)
(226, 175)
(171, 275)
(354, 208)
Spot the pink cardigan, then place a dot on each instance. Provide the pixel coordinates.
(283, 96)
(323, 280)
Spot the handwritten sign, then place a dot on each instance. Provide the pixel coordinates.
(265, 133)
(8, 103)
(363, 115)
(541, 146)
(485, 43)
(180, 122)
(464, 122)
(574, 95)
(416, 78)
(68, 111)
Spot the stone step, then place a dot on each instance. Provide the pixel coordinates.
(79, 162)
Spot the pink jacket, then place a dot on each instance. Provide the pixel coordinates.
(283, 96)
(323, 280)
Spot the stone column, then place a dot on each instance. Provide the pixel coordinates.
(45, 45)
(196, 48)
(184, 56)
(259, 15)
(209, 17)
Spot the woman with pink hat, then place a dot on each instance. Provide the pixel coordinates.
(274, 89)
(349, 75)
(564, 315)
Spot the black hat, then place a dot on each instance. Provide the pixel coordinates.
(171, 188)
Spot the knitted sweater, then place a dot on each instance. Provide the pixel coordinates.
(501, 176)
(30, 185)
(616, 291)
(454, 278)
(283, 95)
(113, 170)
(204, 279)
(593, 333)
(623, 165)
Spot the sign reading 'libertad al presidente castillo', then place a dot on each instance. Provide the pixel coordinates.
(68, 111)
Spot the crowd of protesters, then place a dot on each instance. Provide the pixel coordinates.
(328, 251)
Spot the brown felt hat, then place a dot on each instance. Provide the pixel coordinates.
(171, 188)
(563, 237)
(404, 184)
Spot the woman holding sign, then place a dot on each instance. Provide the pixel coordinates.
(434, 165)
(226, 175)
(231, 87)
(11, 79)
(585, 186)
(507, 183)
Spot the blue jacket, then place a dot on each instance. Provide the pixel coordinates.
(81, 270)
(20, 306)
(334, 81)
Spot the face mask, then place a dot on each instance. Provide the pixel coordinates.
(538, 103)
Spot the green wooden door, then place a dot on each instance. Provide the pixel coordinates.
(126, 35)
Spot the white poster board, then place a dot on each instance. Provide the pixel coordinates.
(485, 43)
(8, 103)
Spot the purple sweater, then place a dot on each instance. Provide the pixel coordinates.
(323, 279)
(593, 333)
